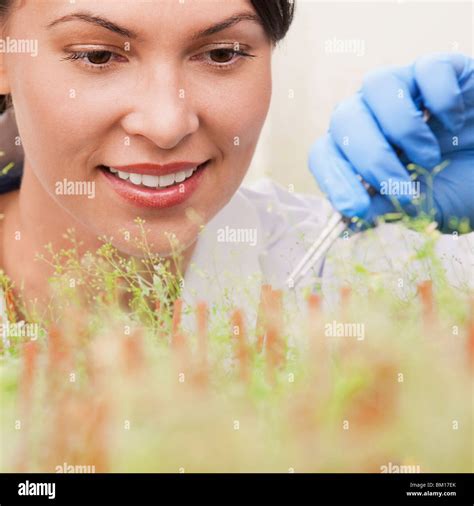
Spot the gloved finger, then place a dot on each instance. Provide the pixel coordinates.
(337, 179)
(452, 191)
(360, 139)
(388, 97)
(380, 205)
(437, 79)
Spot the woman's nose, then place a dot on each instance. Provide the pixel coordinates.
(162, 112)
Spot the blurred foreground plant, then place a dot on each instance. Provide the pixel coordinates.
(114, 383)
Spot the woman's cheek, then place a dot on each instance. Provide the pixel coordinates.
(236, 136)
(59, 122)
(48, 116)
(243, 120)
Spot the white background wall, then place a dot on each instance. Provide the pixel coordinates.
(390, 32)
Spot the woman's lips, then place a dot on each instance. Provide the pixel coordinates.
(158, 198)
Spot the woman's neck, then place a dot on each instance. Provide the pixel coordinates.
(32, 219)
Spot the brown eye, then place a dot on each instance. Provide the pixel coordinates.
(222, 55)
(99, 57)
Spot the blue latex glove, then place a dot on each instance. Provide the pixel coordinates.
(378, 131)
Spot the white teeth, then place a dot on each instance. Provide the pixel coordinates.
(167, 180)
(150, 181)
(180, 176)
(154, 181)
(136, 179)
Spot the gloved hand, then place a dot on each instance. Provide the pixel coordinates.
(376, 133)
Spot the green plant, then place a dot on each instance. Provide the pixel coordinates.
(114, 382)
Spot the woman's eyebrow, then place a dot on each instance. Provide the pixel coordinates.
(227, 23)
(95, 20)
(130, 34)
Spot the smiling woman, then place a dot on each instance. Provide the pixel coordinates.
(162, 118)
(137, 122)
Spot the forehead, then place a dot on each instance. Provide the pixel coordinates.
(163, 20)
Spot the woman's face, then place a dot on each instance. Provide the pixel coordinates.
(134, 85)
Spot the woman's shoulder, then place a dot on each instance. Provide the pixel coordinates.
(289, 222)
(6, 200)
(286, 214)
(267, 189)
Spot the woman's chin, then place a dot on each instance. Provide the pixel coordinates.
(129, 248)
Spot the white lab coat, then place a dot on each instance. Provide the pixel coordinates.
(286, 224)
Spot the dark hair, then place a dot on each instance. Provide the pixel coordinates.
(5, 7)
(276, 17)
